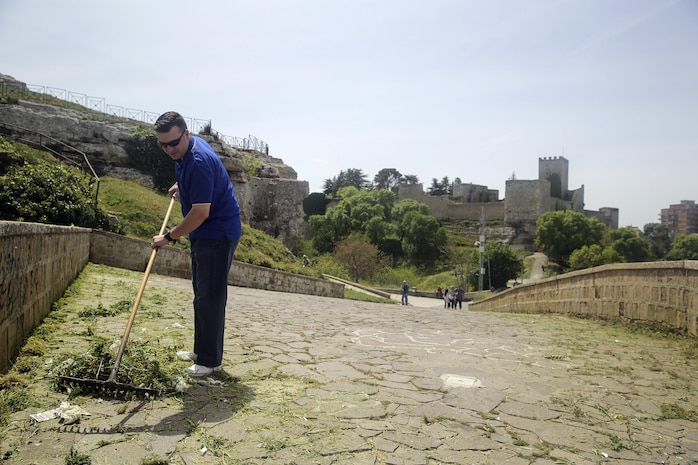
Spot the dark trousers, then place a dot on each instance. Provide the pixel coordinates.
(210, 264)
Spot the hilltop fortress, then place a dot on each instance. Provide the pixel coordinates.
(524, 201)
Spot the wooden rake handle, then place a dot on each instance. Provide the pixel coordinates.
(137, 302)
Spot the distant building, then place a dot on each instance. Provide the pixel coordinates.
(681, 218)
(525, 200)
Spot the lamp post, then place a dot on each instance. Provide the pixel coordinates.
(481, 243)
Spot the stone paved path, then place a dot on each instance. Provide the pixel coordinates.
(313, 380)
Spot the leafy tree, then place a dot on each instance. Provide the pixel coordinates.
(629, 246)
(423, 237)
(589, 256)
(359, 257)
(562, 232)
(379, 232)
(387, 178)
(329, 229)
(399, 230)
(403, 207)
(683, 247)
(658, 236)
(351, 177)
(502, 264)
(362, 205)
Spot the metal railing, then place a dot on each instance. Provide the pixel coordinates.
(53, 95)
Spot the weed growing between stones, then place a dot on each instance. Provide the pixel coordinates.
(678, 412)
(76, 458)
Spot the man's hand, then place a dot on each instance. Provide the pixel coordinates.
(159, 241)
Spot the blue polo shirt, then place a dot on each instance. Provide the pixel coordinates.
(202, 178)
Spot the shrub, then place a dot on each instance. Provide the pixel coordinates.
(50, 193)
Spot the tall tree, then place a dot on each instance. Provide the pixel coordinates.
(502, 263)
(423, 237)
(410, 179)
(351, 177)
(562, 232)
(658, 236)
(387, 178)
(439, 187)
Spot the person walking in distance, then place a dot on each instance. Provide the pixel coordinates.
(212, 221)
(405, 292)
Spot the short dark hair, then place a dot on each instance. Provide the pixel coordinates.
(168, 120)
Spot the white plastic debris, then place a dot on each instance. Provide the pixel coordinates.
(114, 347)
(181, 386)
(70, 413)
(203, 450)
(177, 325)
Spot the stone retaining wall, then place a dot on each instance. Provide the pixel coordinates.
(37, 264)
(657, 294)
(133, 254)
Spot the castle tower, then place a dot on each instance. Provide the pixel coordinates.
(555, 170)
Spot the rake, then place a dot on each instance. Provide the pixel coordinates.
(111, 387)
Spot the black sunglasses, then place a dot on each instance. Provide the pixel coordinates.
(172, 143)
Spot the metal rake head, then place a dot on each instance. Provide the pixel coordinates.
(106, 389)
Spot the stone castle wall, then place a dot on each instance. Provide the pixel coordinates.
(526, 200)
(657, 294)
(444, 209)
(38, 262)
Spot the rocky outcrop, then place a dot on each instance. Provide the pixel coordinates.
(271, 201)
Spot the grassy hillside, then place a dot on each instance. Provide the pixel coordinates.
(141, 211)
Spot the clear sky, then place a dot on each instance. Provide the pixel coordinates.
(469, 89)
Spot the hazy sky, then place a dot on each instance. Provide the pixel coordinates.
(477, 90)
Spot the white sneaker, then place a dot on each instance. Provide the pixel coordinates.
(186, 355)
(200, 370)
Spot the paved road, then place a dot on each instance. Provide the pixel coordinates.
(313, 380)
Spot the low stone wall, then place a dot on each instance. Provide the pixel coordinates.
(656, 294)
(38, 263)
(133, 254)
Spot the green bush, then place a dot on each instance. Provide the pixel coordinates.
(53, 193)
